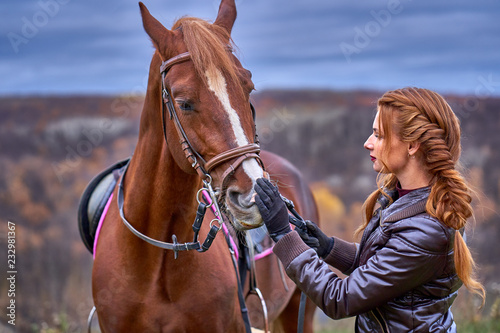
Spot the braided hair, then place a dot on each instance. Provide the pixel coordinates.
(423, 116)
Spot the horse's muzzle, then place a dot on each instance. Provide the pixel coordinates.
(242, 208)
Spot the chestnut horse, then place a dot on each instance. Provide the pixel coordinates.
(196, 109)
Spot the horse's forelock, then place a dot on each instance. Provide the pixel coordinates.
(209, 46)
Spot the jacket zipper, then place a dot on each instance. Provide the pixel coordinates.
(381, 321)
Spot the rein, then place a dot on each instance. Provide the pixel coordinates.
(175, 246)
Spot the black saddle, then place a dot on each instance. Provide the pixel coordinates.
(94, 199)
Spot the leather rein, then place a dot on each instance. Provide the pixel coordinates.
(202, 167)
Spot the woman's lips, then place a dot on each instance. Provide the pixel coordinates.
(372, 158)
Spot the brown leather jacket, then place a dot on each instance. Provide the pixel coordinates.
(401, 276)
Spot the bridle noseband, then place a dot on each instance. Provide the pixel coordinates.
(202, 167)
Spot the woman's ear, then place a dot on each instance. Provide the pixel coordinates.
(413, 147)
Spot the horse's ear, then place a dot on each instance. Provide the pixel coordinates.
(226, 15)
(160, 36)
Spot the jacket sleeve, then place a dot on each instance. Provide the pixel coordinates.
(395, 269)
(343, 255)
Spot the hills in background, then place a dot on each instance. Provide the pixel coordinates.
(50, 148)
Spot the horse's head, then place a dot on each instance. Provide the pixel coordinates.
(206, 93)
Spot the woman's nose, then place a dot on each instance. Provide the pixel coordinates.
(368, 143)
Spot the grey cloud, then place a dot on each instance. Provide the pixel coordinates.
(96, 46)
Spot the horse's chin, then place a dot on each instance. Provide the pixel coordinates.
(246, 219)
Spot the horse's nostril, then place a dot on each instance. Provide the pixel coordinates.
(239, 199)
(233, 196)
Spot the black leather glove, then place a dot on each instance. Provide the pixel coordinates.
(316, 239)
(272, 208)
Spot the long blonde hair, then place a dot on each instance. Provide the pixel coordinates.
(423, 116)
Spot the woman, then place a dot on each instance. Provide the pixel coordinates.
(404, 274)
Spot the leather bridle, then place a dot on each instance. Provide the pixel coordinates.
(202, 167)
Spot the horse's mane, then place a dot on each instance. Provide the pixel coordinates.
(210, 47)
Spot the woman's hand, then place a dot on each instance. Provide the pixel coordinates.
(316, 239)
(272, 208)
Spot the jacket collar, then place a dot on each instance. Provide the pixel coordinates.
(409, 205)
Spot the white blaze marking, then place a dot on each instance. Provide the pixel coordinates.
(252, 169)
(217, 84)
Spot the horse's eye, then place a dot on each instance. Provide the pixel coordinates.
(185, 105)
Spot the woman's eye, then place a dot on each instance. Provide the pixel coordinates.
(185, 106)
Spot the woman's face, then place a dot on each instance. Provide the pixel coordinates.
(397, 158)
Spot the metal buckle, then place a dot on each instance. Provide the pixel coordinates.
(213, 197)
(218, 222)
(200, 191)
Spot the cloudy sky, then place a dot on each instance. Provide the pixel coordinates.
(77, 46)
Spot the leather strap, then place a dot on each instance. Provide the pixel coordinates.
(241, 298)
(165, 66)
(191, 154)
(230, 154)
(237, 163)
(302, 312)
(163, 245)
